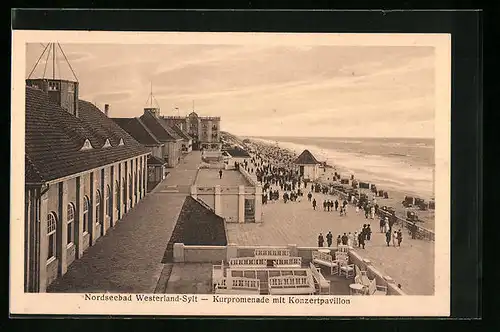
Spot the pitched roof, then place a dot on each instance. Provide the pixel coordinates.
(152, 160)
(306, 158)
(158, 127)
(138, 130)
(54, 139)
(180, 132)
(197, 225)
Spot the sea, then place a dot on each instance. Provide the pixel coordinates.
(402, 164)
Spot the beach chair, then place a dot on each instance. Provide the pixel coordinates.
(374, 289)
(363, 277)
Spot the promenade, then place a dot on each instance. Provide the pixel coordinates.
(411, 265)
(128, 258)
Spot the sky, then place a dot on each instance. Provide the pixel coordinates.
(261, 90)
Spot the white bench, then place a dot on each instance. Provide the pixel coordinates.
(287, 262)
(322, 258)
(271, 252)
(291, 285)
(238, 286)
(343, 248)
(250, 262)
(320, 279)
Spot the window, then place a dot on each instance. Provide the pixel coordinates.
(124, 193)
(135, 181)
(51, 235)
(71, 223)
(109, 208)
(121, 142)
(86, 145)
(117, 193)
(98, 207)
(130, 190)
(86, 205)
(107, 144)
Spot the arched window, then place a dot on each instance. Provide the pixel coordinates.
(51, 235)
(97, 207)
(86, 206)
(109, 208)
(124, 190)
(71, 223)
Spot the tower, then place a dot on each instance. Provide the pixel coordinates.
(155, 110)
(61, 91)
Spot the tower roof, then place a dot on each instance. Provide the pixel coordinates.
(306, 158)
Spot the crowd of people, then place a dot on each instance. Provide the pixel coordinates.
(273, 167)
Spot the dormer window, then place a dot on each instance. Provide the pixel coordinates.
(107, 144)
(86, 145)
(121, 142)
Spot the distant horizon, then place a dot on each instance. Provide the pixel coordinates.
(348, 137)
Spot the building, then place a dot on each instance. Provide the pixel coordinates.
(308, 166)
(187, 141)
(157, 166)
(172, 142)
(83, 173)
(205, 131)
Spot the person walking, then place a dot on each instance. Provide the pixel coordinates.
(372, 212)
(357, 208)
(336, 205)
(328, 205)
(320, 240)
(344, 239)
(388, 238)
(314, 204)
(355, 240)
(413, 231)
(400, 237)
(220, 174)
(368, 232)
(329, 238)
(339, 240)
(309, 196)
(394, 238)
(324, 205)
(350, 239)
(382, 224)
(387, 227)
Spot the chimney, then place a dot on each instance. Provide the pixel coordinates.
(106, 109)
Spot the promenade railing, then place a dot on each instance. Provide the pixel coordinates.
(421, 233)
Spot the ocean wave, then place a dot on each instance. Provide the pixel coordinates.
(391, 172)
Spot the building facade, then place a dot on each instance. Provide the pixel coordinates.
(83, 173)
(172, 142)
(205, 131)
(157, 165)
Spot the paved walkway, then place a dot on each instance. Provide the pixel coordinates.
(128, 258)
(411, 265)
(210, 177)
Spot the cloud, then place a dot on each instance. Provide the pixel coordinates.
(265, 88)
